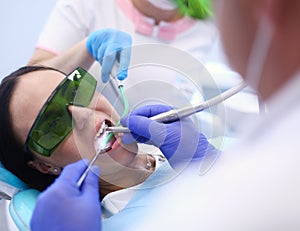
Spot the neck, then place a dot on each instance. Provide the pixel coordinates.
(157, 14)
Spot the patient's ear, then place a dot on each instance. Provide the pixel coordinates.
(44, 167)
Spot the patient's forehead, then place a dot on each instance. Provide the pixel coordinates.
(29, 96)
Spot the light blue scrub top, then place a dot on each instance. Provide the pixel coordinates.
(161, 183)
(143, 198)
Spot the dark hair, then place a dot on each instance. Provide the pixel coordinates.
(12, 154)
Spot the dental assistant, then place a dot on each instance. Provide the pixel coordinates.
(254, 185)
(149, 22)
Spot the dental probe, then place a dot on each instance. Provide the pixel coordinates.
(107, 135)
(86, 171)
(177, 114)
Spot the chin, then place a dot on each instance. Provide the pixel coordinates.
(124, 154)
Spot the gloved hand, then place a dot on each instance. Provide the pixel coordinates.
(108, 46)
(63, 206)
(179, 141)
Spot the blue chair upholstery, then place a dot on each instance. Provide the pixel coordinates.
(11, 179)
(22, 198)
(21, 208)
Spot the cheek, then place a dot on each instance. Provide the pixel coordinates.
(228, 25)
(101, 104)
(83, 140)
(235, 32)
(124, 154)
(117, 160)
(68, 152)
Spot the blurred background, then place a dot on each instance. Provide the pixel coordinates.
(21, 22)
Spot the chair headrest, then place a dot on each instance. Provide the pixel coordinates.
(10, 179)
(21, 208)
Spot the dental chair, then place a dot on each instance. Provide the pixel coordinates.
(20, 197)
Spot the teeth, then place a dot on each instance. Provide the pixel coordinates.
(103, 140)
(102, 129)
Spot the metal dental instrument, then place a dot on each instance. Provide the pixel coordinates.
(86, 171)
(107, 135)
(177, 114)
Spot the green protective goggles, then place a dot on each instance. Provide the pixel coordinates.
(54, 121)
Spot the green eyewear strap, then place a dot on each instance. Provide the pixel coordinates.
(54, 121)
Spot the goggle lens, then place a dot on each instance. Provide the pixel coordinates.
(54, 122)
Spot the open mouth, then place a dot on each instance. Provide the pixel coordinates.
(104, 140)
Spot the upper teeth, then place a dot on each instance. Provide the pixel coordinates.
(101, 129)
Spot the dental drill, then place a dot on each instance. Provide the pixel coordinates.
(177, 114)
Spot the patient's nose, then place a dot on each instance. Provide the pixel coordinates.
(82, 116)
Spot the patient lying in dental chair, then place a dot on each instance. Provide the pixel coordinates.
(23, 94)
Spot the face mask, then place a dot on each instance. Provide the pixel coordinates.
(259, 52)
(164, 4)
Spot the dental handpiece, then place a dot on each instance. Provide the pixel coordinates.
(177, 114)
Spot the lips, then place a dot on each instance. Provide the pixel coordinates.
(102, 136)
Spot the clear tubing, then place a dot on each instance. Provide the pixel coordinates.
(177, 114)
(104, 148)
(125, 112)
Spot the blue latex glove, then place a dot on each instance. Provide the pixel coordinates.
(108, 46)
(179, 141)
(63, 206)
